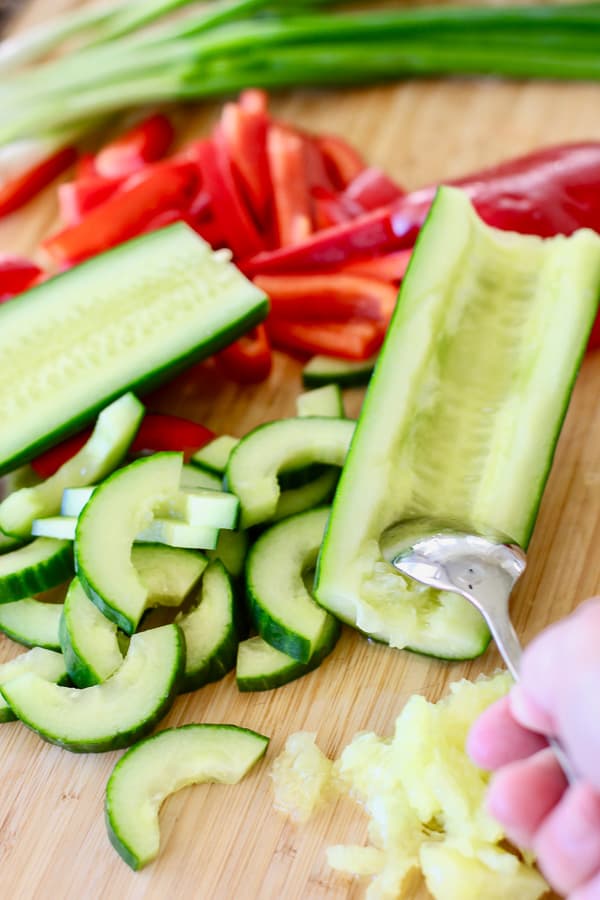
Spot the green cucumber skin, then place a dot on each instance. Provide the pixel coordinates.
(39, 578)
(349, 379)
(30, 641)
(80, 673)
(131, 735)
(114, 615)
(295, 669)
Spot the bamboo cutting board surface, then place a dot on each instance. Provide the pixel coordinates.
(227, 843)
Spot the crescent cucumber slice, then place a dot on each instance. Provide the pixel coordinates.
(45, 663)
(281, 606)
(461, 417)
(170, 532)
(115, 428)
(323, 370)
(255, 463)
(32, 622)
(323, 401)
(8, 543)
(231, 549)
(193, 478)
(110, 715)
(34, 568)
(163, 764)
(214, 456)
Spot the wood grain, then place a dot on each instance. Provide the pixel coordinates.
(225, 843)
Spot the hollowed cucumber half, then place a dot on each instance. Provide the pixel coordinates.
(110, 715)
(461, 416)
(163, 764)
(118, 510)
(32, 622)
(34, 568)
(45, 663)
(255, 463)
(281, 606)
(114, 430)
(210, 630)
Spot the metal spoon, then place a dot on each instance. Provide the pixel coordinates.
(483, 570)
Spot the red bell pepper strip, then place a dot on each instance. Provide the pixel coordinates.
(211, 232)
(389, 268)
(126, 213)
(146, 142)
(16, 192)
(157, 432)
(16, 275)
(372, 189)
(347, 340)
(291, 197)
(255, 101)
(248, 360)
(77, 198)
(230, 214)
(85, 167)
(330, 209)
(243, 129)
(329, 296)
(343, 162)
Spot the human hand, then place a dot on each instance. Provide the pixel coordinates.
(558, 694)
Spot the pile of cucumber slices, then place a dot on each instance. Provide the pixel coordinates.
(130, 536)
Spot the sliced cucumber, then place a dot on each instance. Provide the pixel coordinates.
(45, 663)
(36, 567)
(322, 370)
(110, 715)
(32, 622)
(314, 493)
(231, 549)
(161, 765)
(282, 609)
(323, 401)
(167, 573)
(179, 534)
(8, 543)
(103, 451)
(106, 529)
(254, 464)
(60, 528)
(73, 501)
(210, 631)
(194, 478)
(261, 667)
(74, 343)
(215, 455)
(461, 416)
(88, 640)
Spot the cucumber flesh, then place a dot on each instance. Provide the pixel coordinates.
(34, 568)
(163, 764)
(32, 622)
(215, 455)
(167, 573)
(254, 464)
(170, 532)
(193, 477)
(9, 543)
(282, 609)
(45, 663)
(110, 715)
(103, 451)
(323, 370)
(210, 631)
(88, 640)
(231, 549)
(315, 493)
(323, 401)
(461, 416)
(176, 302)
(61, 528)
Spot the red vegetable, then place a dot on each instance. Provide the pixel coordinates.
(18, 191)
(243, 129)
(77, 198)
(16, 275)
(127, 213)
(330, 296)
(371, 189)
(157, 432)
(343, 162)
(388, 268)
(146, 142)
(348, 340)
(248, 360)
(291, 197)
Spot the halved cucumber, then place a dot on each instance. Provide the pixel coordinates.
(114, 430)
(214, 456)
(323, 401)
(36, 567)
(210, 630)
(254, 464)
(32, 622)
(261, 667)
(45, 663)
(282, 609)
(322, 370)
(109, 715)
(461, 416)
(119, 509)
(161, 765)
(74, 343)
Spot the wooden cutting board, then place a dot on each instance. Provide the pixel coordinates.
(227, 843)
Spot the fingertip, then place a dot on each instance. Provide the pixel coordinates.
(496, 739)
(528, 713)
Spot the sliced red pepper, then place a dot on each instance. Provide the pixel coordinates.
(85, 167)
(77, 198)
(332, 209)
(343, 162)
(16, 275)
(291, 197)
(146, 142)
(243, 129)
(164, 218)
(124, 215)
(348, 340)
(156, 432)
(248, 360)
(18, 191)
(329, 296)
(389, 268)
(230, 214)
(254, 100)
(372, 189)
